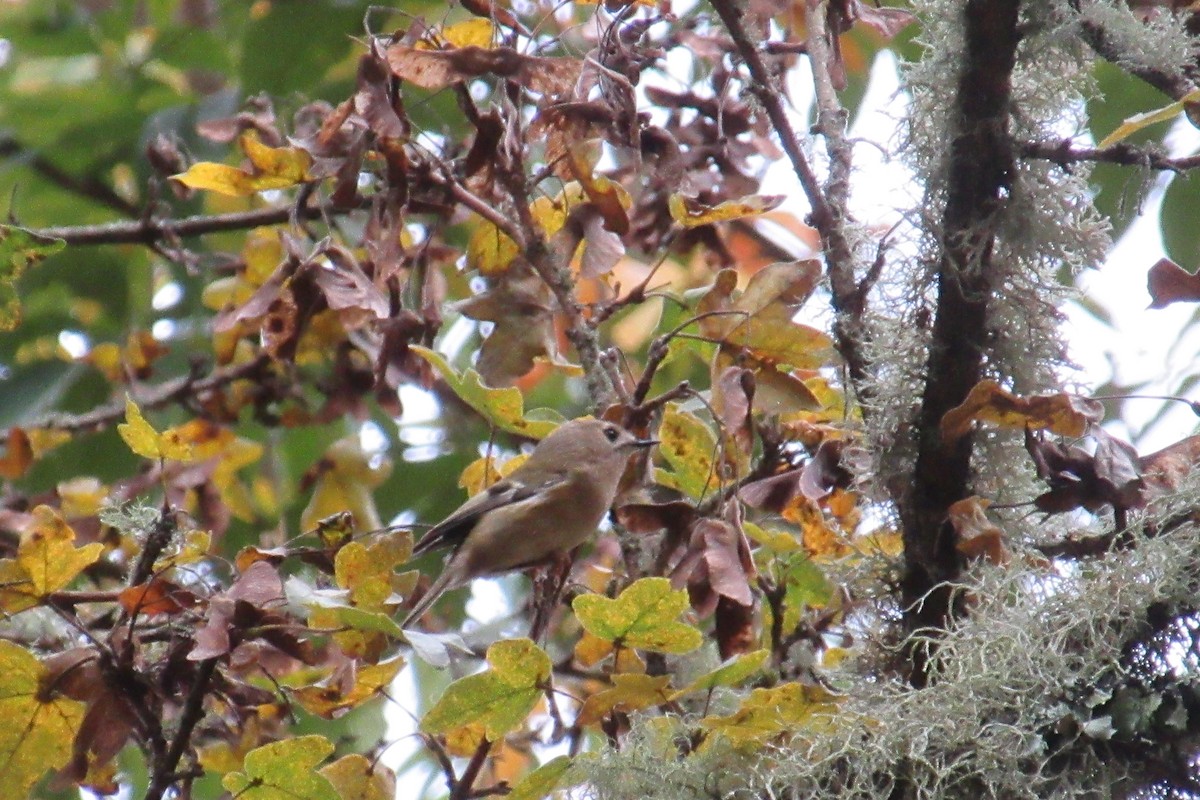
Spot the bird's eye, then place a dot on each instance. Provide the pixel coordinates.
(611, 433)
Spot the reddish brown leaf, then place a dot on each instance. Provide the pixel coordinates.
(1165, 470)
(18, 454)
(734, 628)
(1170, 283)
(373, 102)
(773, 493)
(824, 472)
(156, 597)
(733, 397)
(1078, 479)
(437, 69)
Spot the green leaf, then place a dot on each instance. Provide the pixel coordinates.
(505, 408)
(731, 673)
(554, 774)
(19, 250)
(642, 617)
(500, 698)
(284, 770)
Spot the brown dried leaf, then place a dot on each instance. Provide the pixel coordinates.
(978, 537)
(437, 69)
(1170, 283)
(1062, 413)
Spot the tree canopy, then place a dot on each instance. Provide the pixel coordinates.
(284, 282)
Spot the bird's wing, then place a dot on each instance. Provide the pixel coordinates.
(451, 531)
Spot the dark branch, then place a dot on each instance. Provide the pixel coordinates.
(828, 202)
(152, 231)
(1064, 153)
(980, 171)
(87, 187)
(159, 397)
(1173, 85)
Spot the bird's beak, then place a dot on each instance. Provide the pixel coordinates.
(645, 443)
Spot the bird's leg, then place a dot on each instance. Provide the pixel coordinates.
(548, 583)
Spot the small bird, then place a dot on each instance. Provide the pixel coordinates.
(546, 508)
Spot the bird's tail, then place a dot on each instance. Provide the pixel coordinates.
(449, 579)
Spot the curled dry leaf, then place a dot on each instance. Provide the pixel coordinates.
(437, 69)
(1078, 479)
(1170, 283)
(978, 537)
(518, 306)
(1064, 414)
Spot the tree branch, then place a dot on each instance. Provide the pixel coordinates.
(151, 231)
(980, 171)
(87, 187)
(1174, 85)
(1065, 154)
(163, 395)
(829, 214)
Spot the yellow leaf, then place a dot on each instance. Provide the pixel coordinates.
(476, 32)
(346, 477)
(145, 441)
(357, 778)
(775, 714)
(690, 447)
(39, 727)
(483, 472)
(330, 698)
(274, 168)
(691, 213)
(46, 561)
(195, 547)
(643, 616)
(81, 496)
(628, 693)
(1137, 122)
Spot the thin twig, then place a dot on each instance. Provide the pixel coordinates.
(1065, 153)
(828, 202)
(163, 395)
(150, 231)
(193, 712)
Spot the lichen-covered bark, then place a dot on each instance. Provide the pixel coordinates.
(980, 168)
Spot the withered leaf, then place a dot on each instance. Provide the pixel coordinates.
(437, 69)
(1062, 413)
(1078, 479)
(1170, 283)
(978, 537)
(518, 305)
(372, 101)
(1165, 469)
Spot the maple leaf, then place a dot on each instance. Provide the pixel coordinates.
(40, 725)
